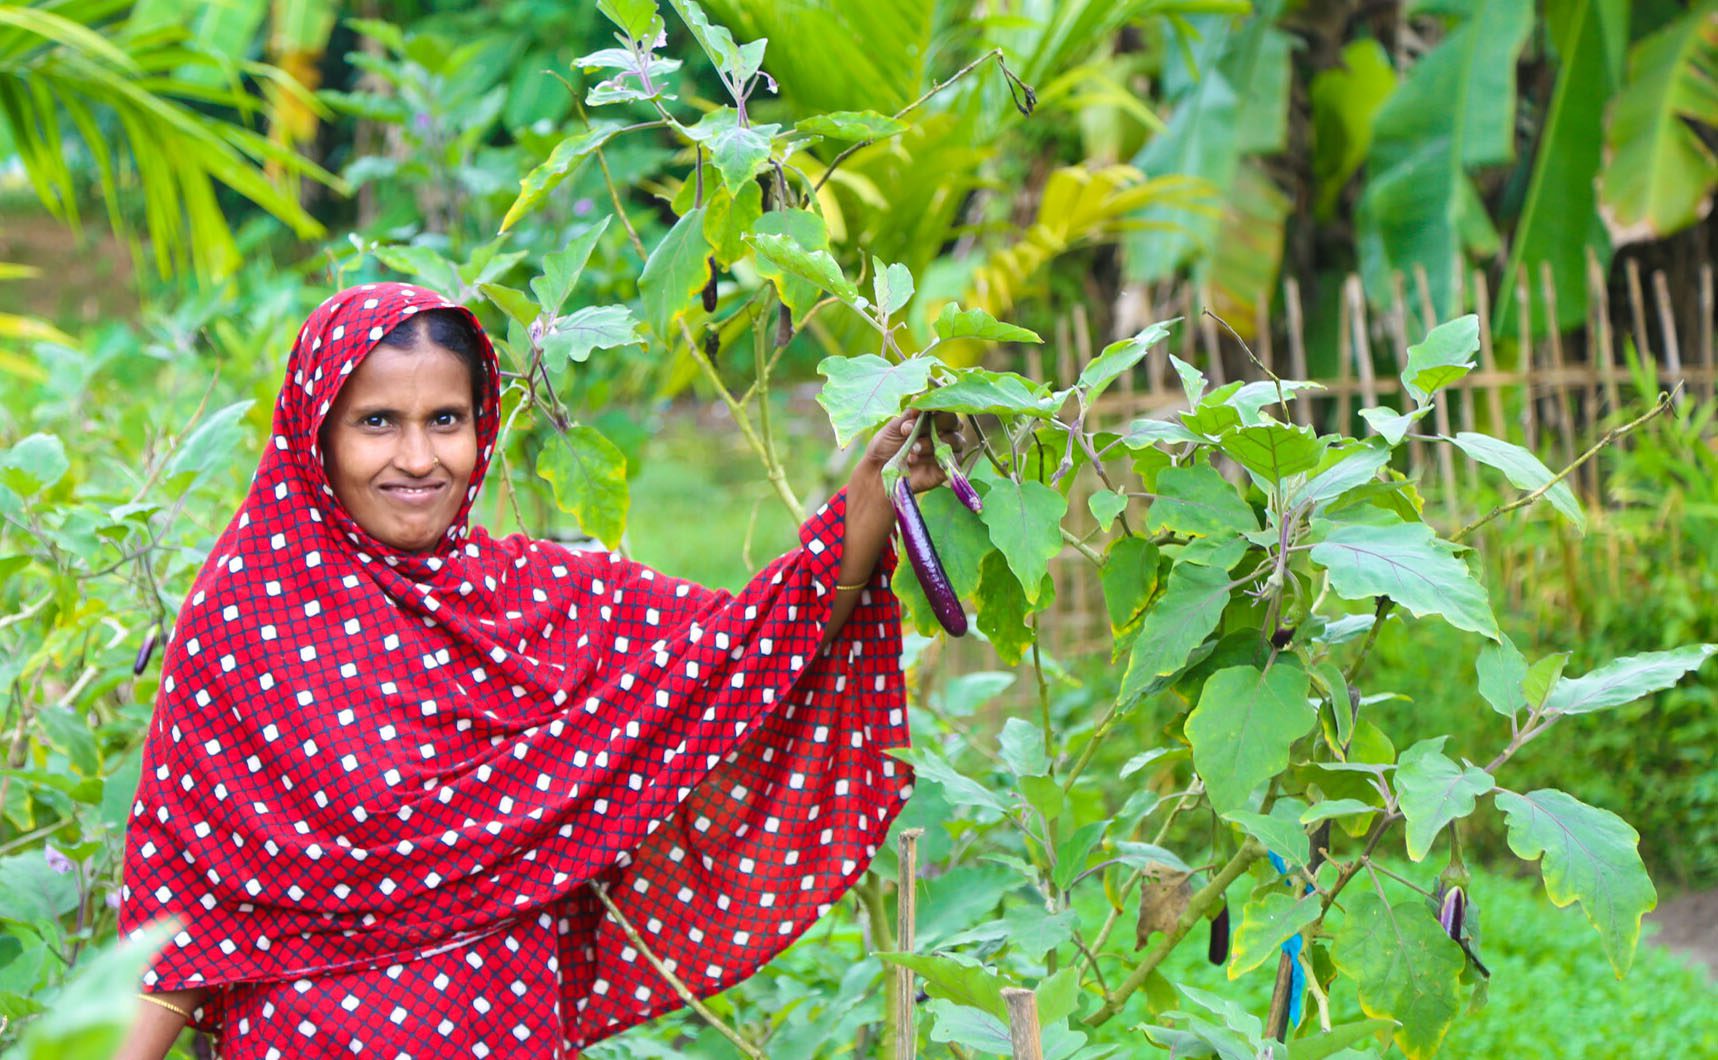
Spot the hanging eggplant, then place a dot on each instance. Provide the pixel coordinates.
(926, 564)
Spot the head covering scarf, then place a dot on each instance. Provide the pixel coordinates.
(359, 754)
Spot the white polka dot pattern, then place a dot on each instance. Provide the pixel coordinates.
(360, 756)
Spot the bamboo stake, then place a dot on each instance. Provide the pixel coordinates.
(1213, 349)
(1023, 1035)
(1524, 337)
(906, 1033)
(1186, 303)
(1344, 403)
(1470, 467)
(1704, 337)
(1302, 403)
(1637, 308)
(1487, 359)
(1262, 334)
(1362, 340)
(1566, 419)
(1604, 355)
(1398, 325)
(1667, 326)
(1440, 404)
(1155, 364)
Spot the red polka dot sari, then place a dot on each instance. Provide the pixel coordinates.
(379, 786)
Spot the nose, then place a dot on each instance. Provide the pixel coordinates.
(415, 455)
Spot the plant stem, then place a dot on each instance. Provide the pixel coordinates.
(680, 988)
(1206, 897)
(1665, 402)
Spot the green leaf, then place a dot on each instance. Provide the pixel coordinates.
(1543, 676)
(1501, 670)
(1192, 380)
(1523, 470)
(1182, 618)
(1391, 424)
(561, 270)
(979, 391)
(1334, 686)
(738, 151)
(1211, 420)
(737, 63)
(960, 789)
(1410, 565)
(39, 460)
(1444, 356)
(1407, 969)
(1272, 450)
(1329, 808)
(1455, 110)
(1197, 500)
(1073, 852)
(1002, 607)
(957, 323)
(31, 892)
(588, 476)
(1149, 856)
(1627, 679)
(636, 18)
(535, 186)
(805, 229)
(1267, 921)
(851, 125)
(727, 219)
(865, 391)
(1129, 579)
(1281, 835)
(1144, 432)
(1335, 1044)
(1560, 218)
(1660, 173)
(422, 264)
(1120, 356)
(815, 267)
(1250, 398)
(1025, 521)
(1591, 856)
(1044, 794)
(1344, 99)
(961, 980)
(675, 272)
(1433, 791)
(1058, 995)
(515, 303)
(1105, 505)
(1022, 746)
(892, 285)
(1243, 725)
(67, 730)
(595, 327)
(213, 443)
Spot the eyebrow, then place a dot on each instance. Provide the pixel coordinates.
(385, 410)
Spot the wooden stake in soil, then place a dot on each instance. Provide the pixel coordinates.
(906, 1034)
(1524, 339)
(1023, 1033)
(1637, 311)
(1362, 340)
(1604, 353)
(1398, 324)
(1344, 402)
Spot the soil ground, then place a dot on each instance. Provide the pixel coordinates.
(1688, 925)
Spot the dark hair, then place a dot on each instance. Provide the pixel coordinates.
(448, 329)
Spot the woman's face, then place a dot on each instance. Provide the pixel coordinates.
(400, 443)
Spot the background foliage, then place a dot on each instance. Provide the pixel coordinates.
(244, 158)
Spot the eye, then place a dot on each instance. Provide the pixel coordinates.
(374, 419)
(449, 418)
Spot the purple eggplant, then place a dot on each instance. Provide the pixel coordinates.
(1452, 911)
(926, 565)
(1217, 950)
(145, 652)
(710, 287)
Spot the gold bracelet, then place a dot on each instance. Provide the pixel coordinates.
(856, 585)
(168, 1005)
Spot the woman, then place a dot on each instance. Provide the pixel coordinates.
(392, 755)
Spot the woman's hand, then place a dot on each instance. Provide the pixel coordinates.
(923, 472)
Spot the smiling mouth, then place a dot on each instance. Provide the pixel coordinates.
(414, 493)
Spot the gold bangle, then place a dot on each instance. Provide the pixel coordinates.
(168, 1005)
(856, 585)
